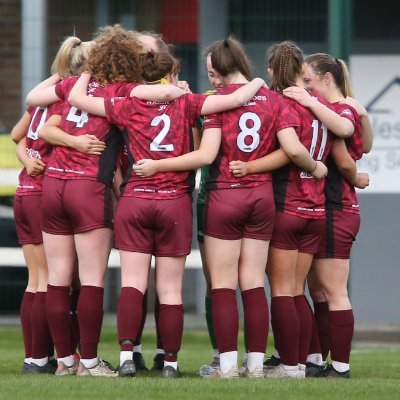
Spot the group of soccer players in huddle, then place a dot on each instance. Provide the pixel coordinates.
(110, 144)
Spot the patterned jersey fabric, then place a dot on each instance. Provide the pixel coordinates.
(248, 132)
(156, 130)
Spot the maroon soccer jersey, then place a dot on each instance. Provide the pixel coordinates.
(248, 132)
(36, 148)
(340, 194)
(67, 163)
(156, 130)
(296, 191)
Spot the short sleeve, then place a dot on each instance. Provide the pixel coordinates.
(115, 109)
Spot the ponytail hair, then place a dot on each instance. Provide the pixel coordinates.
(157, 66)
(228, 56)
(321, 63)
(286, 61)
(70, 57)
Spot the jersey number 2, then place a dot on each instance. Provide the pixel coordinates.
(156, 145)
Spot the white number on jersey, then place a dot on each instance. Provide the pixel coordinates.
(156, 145)
(249, 131)
(35, 134)
(316, 127)
(78, 116)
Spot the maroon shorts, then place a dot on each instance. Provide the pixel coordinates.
(162, 228)
(233, 214)
(340, 231)
(297, 233)
(75, 206)
(28, 218)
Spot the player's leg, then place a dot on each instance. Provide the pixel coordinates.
(138, 359)
(303, 309)
(172, 242)
(74, 298)
(169, 271)
(208, 368)
(281, 267)
(93, 250)
(253, 259)
(334, 277)
(223, 258)
(319, 344)
(134, 278)
(60, 254)
(27, 302)
(25, 227)
(42, 343)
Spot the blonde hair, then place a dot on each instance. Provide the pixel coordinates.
(321, 63)
(70, 57)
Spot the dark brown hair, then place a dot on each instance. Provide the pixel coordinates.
(156, 66)
(115, 55)
(228, 56)
(321, 63)
(286, 61)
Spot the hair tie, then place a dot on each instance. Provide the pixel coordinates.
(77, 44)
(162, 81)
(226, 43)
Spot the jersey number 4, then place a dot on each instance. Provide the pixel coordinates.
(79, 117)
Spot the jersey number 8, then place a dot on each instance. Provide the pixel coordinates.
(249, 131)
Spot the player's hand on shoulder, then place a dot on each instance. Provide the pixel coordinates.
(145, 167)
(361, 110)
(184, 86)
(362, 180)
(238, 168)
(300, 94)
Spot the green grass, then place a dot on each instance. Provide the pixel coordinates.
(375, 375)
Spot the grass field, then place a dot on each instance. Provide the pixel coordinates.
(375, 375)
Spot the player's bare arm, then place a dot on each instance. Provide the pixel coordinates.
(80, 99)
(347, 166)
(220, 103)
(21, 127)
(366, 126)
(205, 155)
(44, 93)
(340, 126)
(299, 155)
(270, 162)
(51, 133)
(33, 166)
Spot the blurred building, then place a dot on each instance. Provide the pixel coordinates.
(363, 32)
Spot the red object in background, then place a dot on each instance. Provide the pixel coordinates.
(179, 21)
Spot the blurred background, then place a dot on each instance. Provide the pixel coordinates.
(365, 33)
